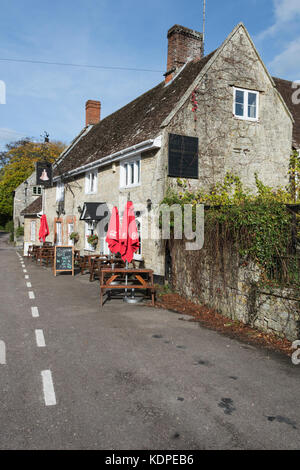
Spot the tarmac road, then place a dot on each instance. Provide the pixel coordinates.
(129, 376)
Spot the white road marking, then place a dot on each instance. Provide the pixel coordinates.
(28, 284)
(40, 339)
(2, 353)
(26, 276)
(48, 388)
(35, 312)
(31, 294)
(24, 270)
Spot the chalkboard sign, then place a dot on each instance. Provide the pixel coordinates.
(64, 259)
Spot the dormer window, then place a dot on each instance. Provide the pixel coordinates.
(36, 190)
(91, 182)
(245, 104)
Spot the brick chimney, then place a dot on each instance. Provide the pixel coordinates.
(183, 45)
(92, 112)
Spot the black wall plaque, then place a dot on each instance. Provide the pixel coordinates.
(183, 156)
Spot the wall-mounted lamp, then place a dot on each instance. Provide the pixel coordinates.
(149, 204)
(80, 210)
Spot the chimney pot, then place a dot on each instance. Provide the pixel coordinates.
(184, 44)
(92, 112)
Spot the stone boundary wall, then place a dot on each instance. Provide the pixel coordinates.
(229, 285)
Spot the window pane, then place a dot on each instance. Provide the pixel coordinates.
(252, 112)
(239, 109)
(131, 173)
(239, 96)
(239, 102)
(138, 171)
(252, 99)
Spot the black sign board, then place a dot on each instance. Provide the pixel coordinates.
(183, 156)
(44, 174)
(63, 259)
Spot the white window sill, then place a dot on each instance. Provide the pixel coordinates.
(246, 119)
(136, 185)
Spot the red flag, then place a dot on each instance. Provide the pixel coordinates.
(44, 229)
(129, 239)
(112, 236)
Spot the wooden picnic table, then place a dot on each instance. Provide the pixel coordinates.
(99, 263)
(109, 276)
(86, 261)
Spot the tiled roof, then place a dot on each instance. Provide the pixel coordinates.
(285, 89)
(136, 122)
(34, 207)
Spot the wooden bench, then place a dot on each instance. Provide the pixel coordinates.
(109, 276)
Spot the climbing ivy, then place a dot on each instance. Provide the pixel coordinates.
(259, 223)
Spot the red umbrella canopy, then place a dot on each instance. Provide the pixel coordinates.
(112, 236)
(129, 240)
(44, 229)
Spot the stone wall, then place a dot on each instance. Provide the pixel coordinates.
(229, 285)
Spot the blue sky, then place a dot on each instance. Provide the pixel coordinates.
(121, 33)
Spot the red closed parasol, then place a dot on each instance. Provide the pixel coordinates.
(129, 239)
(44, 229)
(112, 237)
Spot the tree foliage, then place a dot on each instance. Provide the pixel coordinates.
(17, 163)
(258, 223)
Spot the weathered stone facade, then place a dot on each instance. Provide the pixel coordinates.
(229, 285)
(226, 143)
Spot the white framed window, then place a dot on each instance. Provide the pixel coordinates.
(91, 179)
(70, 230)
(32, 231)
(246, 104)
(138, 218)
(36, 190)
(130, 173)
(89, 230)
(58, 232)
(60, 191)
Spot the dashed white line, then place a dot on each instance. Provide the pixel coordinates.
(24, 270)
(40, 339)
(28, 284)
(35, 312)
(31, 294)
(48, 388)
(26, 276)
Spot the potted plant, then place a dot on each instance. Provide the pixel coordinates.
(74, 236)
(92, 240)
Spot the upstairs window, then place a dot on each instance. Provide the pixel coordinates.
(36, 190)
(245, 104)
(91, 182)
(130, 173)
(183, 156)
(60, 191)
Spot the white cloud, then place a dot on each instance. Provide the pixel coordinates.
(286, 13)
(287, 62)
(8, 135)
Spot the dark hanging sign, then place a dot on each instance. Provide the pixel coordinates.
(44, 174)
(63, 259)
(183, 156)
